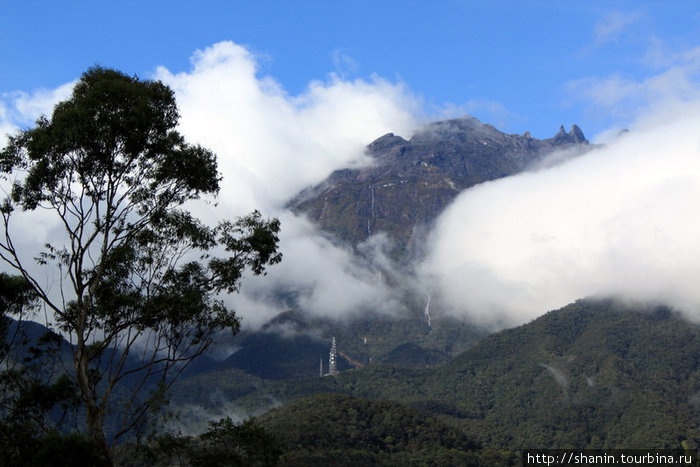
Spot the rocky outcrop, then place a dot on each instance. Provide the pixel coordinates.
(412, 181)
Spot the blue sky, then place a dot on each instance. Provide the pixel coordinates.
(285, 92)
(519, 65)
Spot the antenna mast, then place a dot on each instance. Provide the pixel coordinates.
(332, 366)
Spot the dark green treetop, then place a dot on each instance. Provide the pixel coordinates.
(136, 268)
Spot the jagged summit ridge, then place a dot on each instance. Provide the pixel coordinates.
(469, 127)
(413, 180)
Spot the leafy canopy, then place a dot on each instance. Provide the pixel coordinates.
(135, 266)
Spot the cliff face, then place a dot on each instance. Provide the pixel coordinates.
(412, 181)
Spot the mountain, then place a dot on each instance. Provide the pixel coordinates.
(594, 374)
(408, 185)
(597, 373)
(292, 344)
(410, 182)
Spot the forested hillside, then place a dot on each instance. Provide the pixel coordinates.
(597, 374)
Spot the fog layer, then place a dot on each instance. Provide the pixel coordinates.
(621, 221)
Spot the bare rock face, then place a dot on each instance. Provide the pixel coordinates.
(412, 181)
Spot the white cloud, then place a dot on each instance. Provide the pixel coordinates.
(23, 108)
(622, 95)
(326, 279)
(270, 144)
(620, 99)
(344, 64)
(20, 109)
(41, 102)
(621, 220)
(613, 25)
(5, 130)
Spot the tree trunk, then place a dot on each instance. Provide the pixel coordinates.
(94, 415)
(96, 433)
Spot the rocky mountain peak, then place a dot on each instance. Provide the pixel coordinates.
(383, 143)
(577, 135)
(574, 136)
(413, 180)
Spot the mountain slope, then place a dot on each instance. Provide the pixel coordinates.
(409, 185)
(412, 181)
(291, 344)
(331, 429)
(596, 374)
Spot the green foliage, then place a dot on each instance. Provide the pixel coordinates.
(135, 267)
(53, 449)
(271, 356)
(333, 421)
(412, 355)
(595, 374)
(211, 387)
(16, 299)
(225, 443)
(32, 398)
(244, 444)
(342, 430)
(16, 295)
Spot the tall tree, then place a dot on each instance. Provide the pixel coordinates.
(141, 278)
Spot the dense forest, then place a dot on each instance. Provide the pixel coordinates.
(595, 374)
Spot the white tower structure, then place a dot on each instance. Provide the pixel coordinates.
(332, 365)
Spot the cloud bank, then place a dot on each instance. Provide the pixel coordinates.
(619, 221)
(270, 145)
